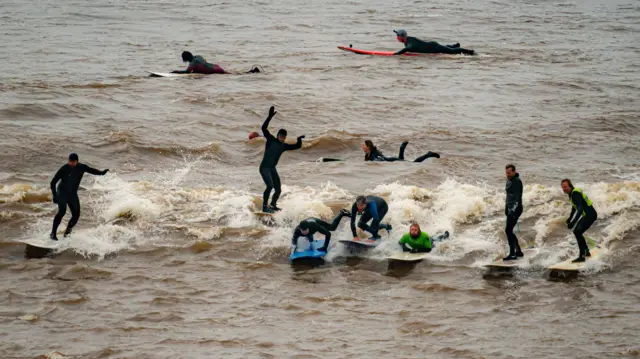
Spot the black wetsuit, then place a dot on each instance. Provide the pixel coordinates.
(585, 216)
(431, 47)
(317, 225)
(377, 155)
(272, 151)
(513, 210)
(67, 193)
(376, 209)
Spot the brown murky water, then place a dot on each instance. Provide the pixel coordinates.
(191, 273)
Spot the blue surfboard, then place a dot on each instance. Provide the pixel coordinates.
(311, 252)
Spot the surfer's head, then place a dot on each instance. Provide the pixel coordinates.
(368, 146)
(282, 135)
(187, 56)
(510, 171)
(567, 186)
(414, 230)
(361, 203)
(401, 35)
(304, 228)
(73, 159)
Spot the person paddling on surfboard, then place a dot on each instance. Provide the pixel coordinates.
(412, 44)
(513, 209)
(372, 153)
(66, 194)
(273, 149)
(585, 216)
(308, 227)
(372, 208)
(198, 65)
(417, 241)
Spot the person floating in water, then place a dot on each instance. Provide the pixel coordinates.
(585, 216)
(66, 194)
(372, 153)
(513, 209)
(308, 227)
(412, 44)
(272, 151)
(417, 241)
(372, 208)
(198, 65)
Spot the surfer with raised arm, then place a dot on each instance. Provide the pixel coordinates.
(585, 216)
(308, 227)
(273, 149)
(372, 153)
(66, 193)
(513, 209)
(372, 208)
(415, 45)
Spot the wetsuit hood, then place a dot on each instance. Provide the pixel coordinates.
(401, 33)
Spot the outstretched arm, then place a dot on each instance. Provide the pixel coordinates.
(402, 51)
(265, 125)
(289, 147)
(94, 171)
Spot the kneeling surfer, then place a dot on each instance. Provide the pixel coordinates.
(412, 44)
(585, 216)
(372, 153)
(372, 208)
(308, 227)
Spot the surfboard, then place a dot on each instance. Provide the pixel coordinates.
(263, 214)
(309, 252)
(366, 243)
(407, 257)
(378, 53)
(44, 243)
(528, 254)
(169, 74)
(596, 253)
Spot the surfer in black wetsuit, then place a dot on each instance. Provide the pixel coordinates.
(272, 151)
(66, 194)
(412, 44)
(372, 153)
(308, 227)
(585, 216)
(372, 208)
(513, 210)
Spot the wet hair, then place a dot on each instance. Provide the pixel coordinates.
(282, 132)
(73, 157)
(304, 225)
(187, 56)
(568, 182)
(361, 200)
(512, 167)
(370, 145)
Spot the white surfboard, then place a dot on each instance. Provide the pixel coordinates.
(169, 74)
(596, 253)
(528, 254)
(361, 243)
(407, 257)
(44, 243)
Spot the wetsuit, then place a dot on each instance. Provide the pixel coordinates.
(421, 244)
(376, 155)
(317, 225)
(200, 66)
(272, 152)
(67, 193)
(431, 47)
(585, 215)
(513, 210)
(376, 209)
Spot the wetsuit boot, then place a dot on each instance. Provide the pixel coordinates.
(53, 237)
(275, 208)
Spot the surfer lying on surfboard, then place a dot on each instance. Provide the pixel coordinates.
(372, 208)
(308, 227)
(415, 45)
(198, 65)
(417, 241)
(372, 153)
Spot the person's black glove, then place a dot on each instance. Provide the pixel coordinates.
(301, 137)
(272, 111)
(105, 172)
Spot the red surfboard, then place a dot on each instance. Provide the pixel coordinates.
(378, 53)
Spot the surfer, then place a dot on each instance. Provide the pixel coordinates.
(66, 194)
(372, 153)
(513, 210)
(585, 215)
(308, 227)
(416, 241)
(372, 208)
(412, 44)
(273, 149)
(198, 65)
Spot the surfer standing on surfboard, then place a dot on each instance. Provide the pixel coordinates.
(513, 209)
(372, 153)
(585, 214)
(372, 208)
(412, 44)
(66, 194)
(308, 227)
(273, 149)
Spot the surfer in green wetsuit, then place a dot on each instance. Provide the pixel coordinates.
(585, 216)
(417, 241)
(412, 44)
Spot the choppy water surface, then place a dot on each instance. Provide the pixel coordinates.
(191, 273)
